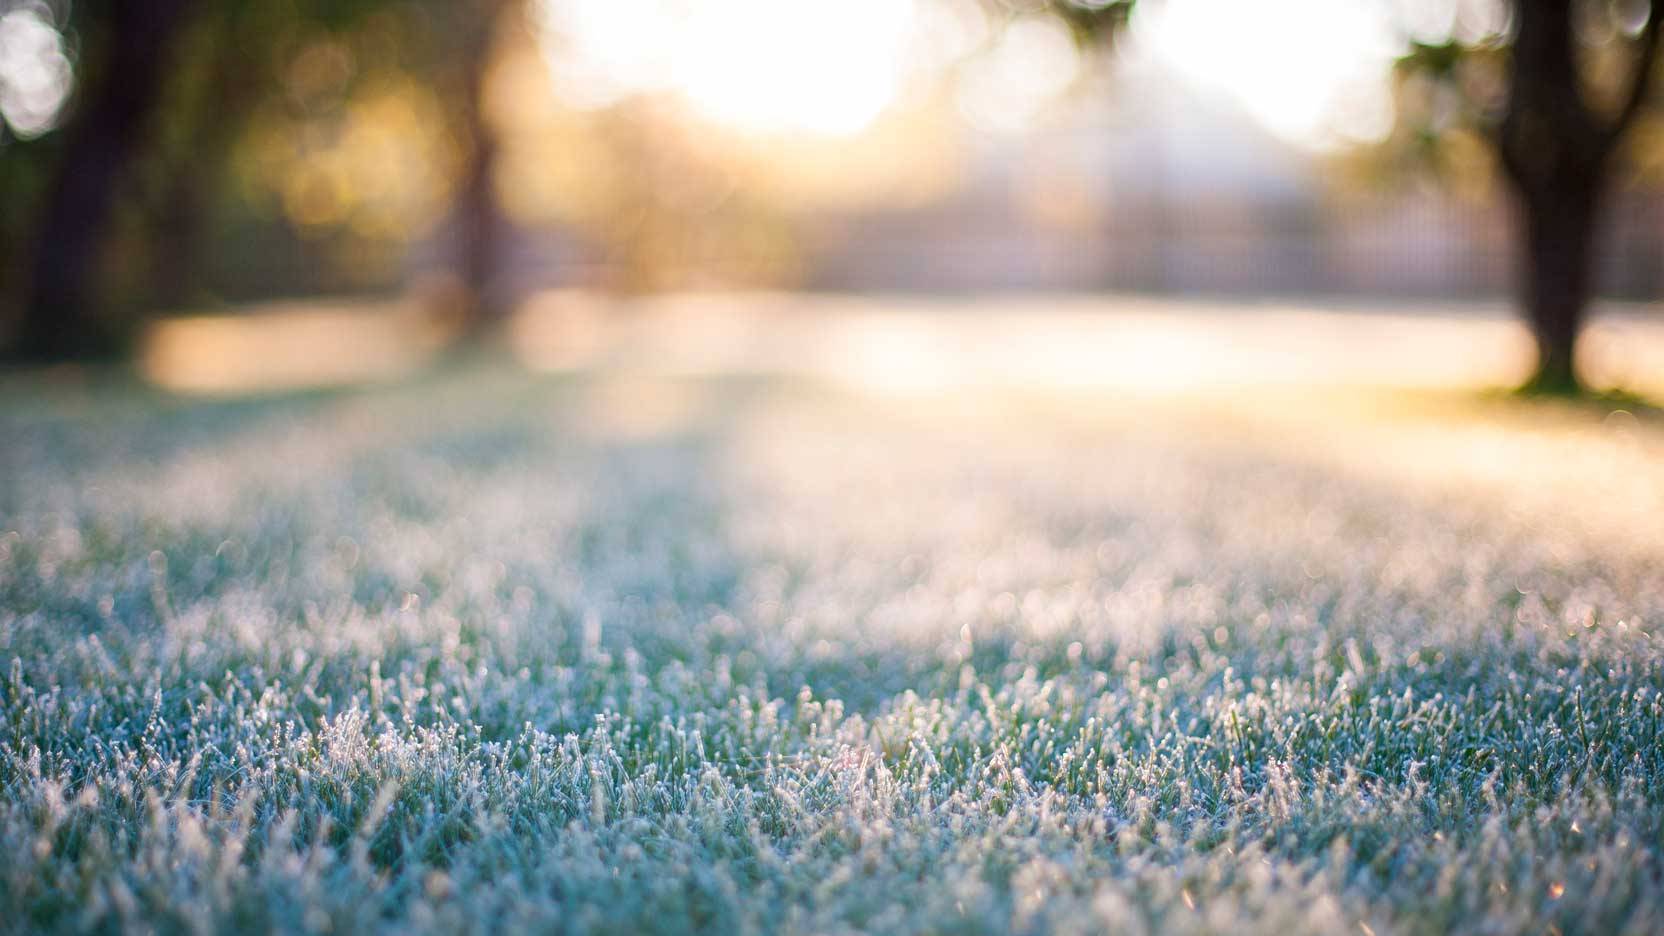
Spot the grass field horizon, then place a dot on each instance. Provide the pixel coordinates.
(702, 648)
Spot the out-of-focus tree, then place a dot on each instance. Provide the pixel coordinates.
(353, 150)
(390, 107)
(162, 90)
(477, 217)
(352, 122)
(1553, 88)
(123, 75)
(234, 61)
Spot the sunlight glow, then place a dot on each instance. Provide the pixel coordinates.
(1146, 346)
(290, 346)
(761, 65)
(1313, 71)
(35, 71)
(1033, 61)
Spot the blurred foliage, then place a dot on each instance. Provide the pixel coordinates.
(342, 123)
(1451, 94)
(1093, 22)
(311, 143)
(1550, 92)
(672, 210)
(663, 195)
(667, 200)
(315, 136)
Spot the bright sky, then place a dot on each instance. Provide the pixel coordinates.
(828, 68)
(1310, 70)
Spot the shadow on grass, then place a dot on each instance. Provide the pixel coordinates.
(1583, 400)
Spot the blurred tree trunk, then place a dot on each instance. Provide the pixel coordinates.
(477, 216)
(104, 136)
(178, 238)
(1557, 263)
(218, 114)
(1556, 152)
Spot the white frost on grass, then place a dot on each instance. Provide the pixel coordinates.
(489, 654)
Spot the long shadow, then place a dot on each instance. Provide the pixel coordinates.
(61, 433)
(460, 520)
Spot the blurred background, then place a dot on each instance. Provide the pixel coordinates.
(295, 191)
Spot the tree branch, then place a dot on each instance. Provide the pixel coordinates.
(1641, 81)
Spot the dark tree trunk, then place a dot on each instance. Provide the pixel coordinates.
(102, 140)
(1556, 152)
(178, 241)
(479, 227)
(1557, 260)
(476, 215)
(194, 176)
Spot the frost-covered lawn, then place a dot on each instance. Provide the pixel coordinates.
(499, 652)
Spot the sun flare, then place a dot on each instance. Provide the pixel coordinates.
(760, 65)
(1313, 72)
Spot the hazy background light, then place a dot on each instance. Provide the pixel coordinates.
(944, 32)
(1031, 63)
(1316, 72)
(762, 65)
(1436, 21)
(35, 72)
(601, 51)
(800, 64)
